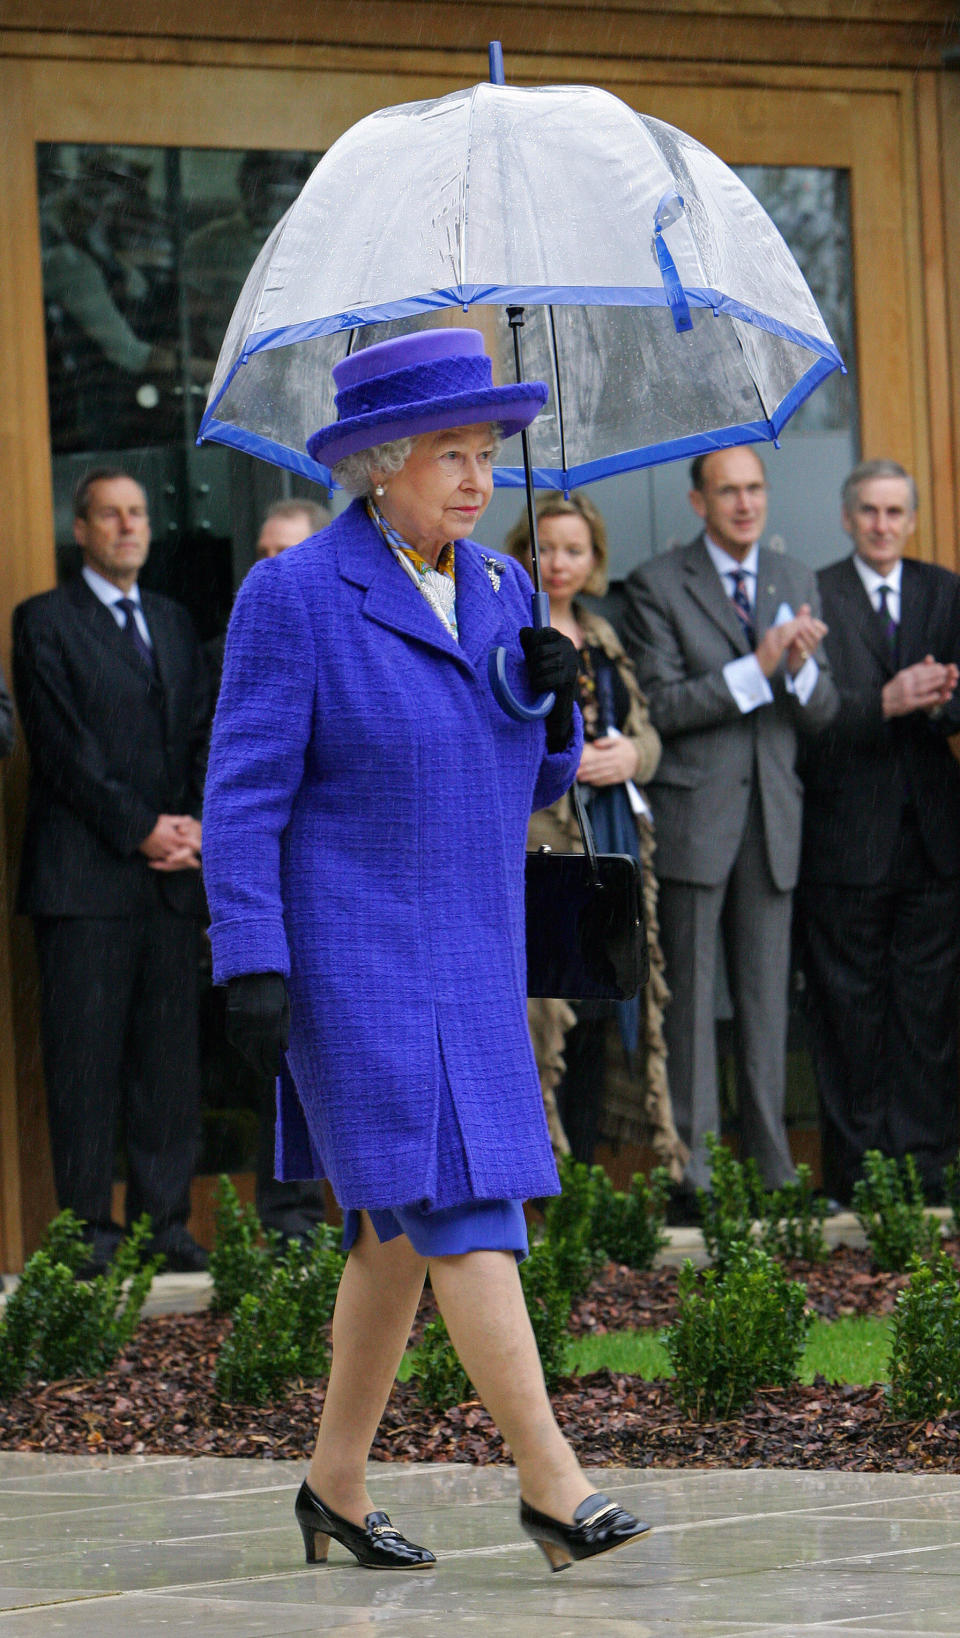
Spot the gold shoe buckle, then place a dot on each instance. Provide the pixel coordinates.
(601, 1513)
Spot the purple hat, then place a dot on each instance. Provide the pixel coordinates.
(417, 383)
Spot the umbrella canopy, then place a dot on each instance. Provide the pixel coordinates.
(663, 308)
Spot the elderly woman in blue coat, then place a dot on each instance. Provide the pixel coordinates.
(364, 831)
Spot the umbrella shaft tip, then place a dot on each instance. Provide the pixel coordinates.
(496, 63)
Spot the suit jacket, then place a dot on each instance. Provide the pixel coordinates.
(111, 747)
(681, 629)
(863, 771)
(364, 831)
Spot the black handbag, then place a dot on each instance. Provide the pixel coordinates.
(586, 932)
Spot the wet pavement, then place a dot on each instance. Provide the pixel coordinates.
(159, 1545)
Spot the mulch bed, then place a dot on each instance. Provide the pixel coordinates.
(159, 1399)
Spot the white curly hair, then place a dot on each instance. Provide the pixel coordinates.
(355, 473)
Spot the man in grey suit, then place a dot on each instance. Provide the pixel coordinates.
(723, 634)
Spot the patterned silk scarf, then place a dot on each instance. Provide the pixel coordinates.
(437, 585)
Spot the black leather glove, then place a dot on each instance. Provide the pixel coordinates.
(258, 1019)
(553, 664)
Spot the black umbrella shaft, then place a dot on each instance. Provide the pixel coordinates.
(515, 318)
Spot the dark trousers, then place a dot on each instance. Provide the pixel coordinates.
(120, 1054)
(882, 967)
(296, 1208)
(580, 1093)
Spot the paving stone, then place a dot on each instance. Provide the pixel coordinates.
(150, 1546)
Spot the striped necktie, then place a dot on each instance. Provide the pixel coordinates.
(741, 602)
(132, 631)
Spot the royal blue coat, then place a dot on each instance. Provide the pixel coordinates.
(364, 828)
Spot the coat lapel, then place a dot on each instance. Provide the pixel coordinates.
(169, 663)
(706, 588)
(392, 600)
(96, 614)
(479, 604)
(863, 616)
(769, 595)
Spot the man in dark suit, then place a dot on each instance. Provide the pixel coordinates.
(723, 634)
(113, 695)
(879, 904)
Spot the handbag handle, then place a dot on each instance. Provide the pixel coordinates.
(586, 834)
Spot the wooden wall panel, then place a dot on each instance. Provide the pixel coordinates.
(937, 411)
(791, 31)
(949, 107)
(26, 564)
(885, 299)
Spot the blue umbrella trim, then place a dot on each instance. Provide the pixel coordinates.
(511, 477)
(516, 295)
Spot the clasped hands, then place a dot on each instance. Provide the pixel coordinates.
(926, 686)
(607, 761)
(173, 843)
(797, 639)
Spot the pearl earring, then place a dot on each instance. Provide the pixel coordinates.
(379, 490)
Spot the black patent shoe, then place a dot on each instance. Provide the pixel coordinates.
(376, 1543)
(599, 1526)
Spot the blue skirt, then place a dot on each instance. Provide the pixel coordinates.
(478, 1225)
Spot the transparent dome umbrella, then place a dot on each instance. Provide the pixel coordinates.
(659, 301)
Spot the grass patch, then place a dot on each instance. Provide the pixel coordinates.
(855, 1350)
(635, 1353)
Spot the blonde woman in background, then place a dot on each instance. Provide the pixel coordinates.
(620, 753)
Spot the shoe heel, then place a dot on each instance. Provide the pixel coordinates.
(316, 1544)
(557, 1557)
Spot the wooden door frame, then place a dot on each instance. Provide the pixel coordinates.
(896, 132)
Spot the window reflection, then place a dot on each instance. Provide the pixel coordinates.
(145, 251)
(811, 207)
(219, 255)
(110, 298)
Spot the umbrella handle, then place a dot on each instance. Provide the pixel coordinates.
(497, 672)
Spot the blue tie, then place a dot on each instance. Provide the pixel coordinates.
(132, 630)
(741, 602)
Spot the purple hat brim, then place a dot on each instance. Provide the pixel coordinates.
(512, 408)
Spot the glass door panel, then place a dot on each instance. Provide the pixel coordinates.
(144, 253)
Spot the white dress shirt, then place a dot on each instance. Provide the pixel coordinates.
(872, 581)
(744, 677)
(110, 594)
